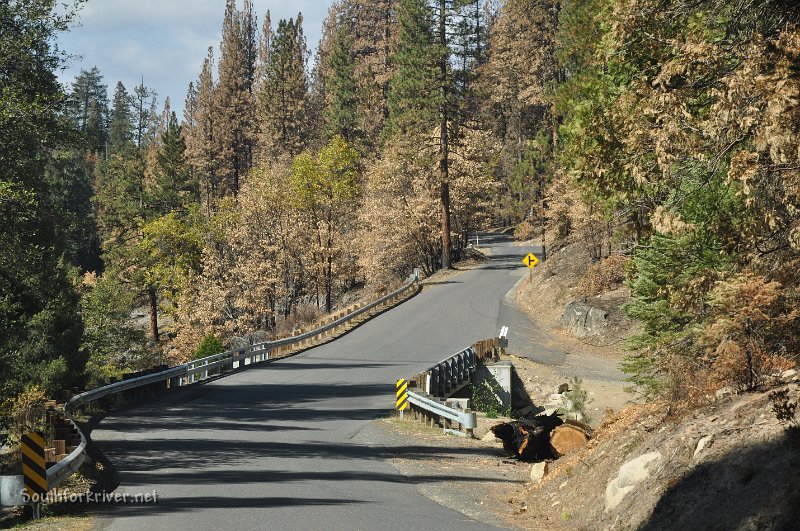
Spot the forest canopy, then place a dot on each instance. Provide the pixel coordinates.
(666, 131)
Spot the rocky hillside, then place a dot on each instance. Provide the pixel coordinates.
(570, 296)
(732, 464)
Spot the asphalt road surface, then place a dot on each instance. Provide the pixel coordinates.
(278, 446)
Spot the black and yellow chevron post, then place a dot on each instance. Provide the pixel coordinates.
(402, 395)
(33, 467)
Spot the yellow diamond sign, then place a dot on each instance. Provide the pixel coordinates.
(530, 260)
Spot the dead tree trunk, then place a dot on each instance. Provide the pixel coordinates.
(153, 299)
(444, 139)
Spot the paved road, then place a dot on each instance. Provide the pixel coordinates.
(279, 446)
(530, 341)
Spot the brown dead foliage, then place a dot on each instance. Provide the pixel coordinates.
(603, 276)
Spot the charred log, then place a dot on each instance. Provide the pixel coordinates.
(529, 440)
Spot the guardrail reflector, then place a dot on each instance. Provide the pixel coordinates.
(402, 395)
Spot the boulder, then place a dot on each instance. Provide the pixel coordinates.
(788, 375)
(583, 320)
(490, 437)
(722, 393)
(630, 475)
(701, 445)
(539, 471)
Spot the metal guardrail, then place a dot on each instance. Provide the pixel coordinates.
(187, 374)
(449, 376)
(57, 473)
(467, 419)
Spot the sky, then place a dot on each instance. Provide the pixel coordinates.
(163, 42)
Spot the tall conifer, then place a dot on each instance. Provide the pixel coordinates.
(283, 92)
(234, 104)
(201, 146)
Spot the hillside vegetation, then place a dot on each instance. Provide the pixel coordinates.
(662, 135)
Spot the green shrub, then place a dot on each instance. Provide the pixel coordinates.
(209, 346)
(485, 398)
(579, 398)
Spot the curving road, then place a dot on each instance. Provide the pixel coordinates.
(280, 446)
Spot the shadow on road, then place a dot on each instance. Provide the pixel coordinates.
(191, 503)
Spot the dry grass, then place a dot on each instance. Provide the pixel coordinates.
(603, 276)
(524, 231)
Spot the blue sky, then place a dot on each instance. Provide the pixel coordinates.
(163, 41)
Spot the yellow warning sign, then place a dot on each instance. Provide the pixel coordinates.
(530, 260)
(402, 395)
(33, 465)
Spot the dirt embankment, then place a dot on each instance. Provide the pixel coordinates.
(544, 297)
(730, 465)
(554, 284)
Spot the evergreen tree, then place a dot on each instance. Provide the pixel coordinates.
(40, 322)
(145, 119)
(72, 165)
(340, 115)
(414, 96)
(322, 72)
(88, 108)
(120, 127)
(283, 92)
(201, 146)
(373, 27)
(172, 188)
(421, 91)
(234, 101)
(119, 176)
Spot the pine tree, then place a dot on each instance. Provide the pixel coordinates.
(201, 145)
(72, 165)
(420, 98)
(171, 188)
(120, 127)
(119, 176)
(88, 108)
(372, 24)
(340, 116)
(145, 118)
(283, 92)
(414, 96)
(234, 102)
(322, 72)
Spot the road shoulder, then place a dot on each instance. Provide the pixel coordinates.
(470, 476)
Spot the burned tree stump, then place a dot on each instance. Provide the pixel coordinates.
(529, 440)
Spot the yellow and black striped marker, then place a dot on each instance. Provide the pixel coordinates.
(402, 395)
(33, 467)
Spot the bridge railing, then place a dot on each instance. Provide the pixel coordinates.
(429, 390)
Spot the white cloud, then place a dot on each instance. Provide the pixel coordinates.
(163, 41)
